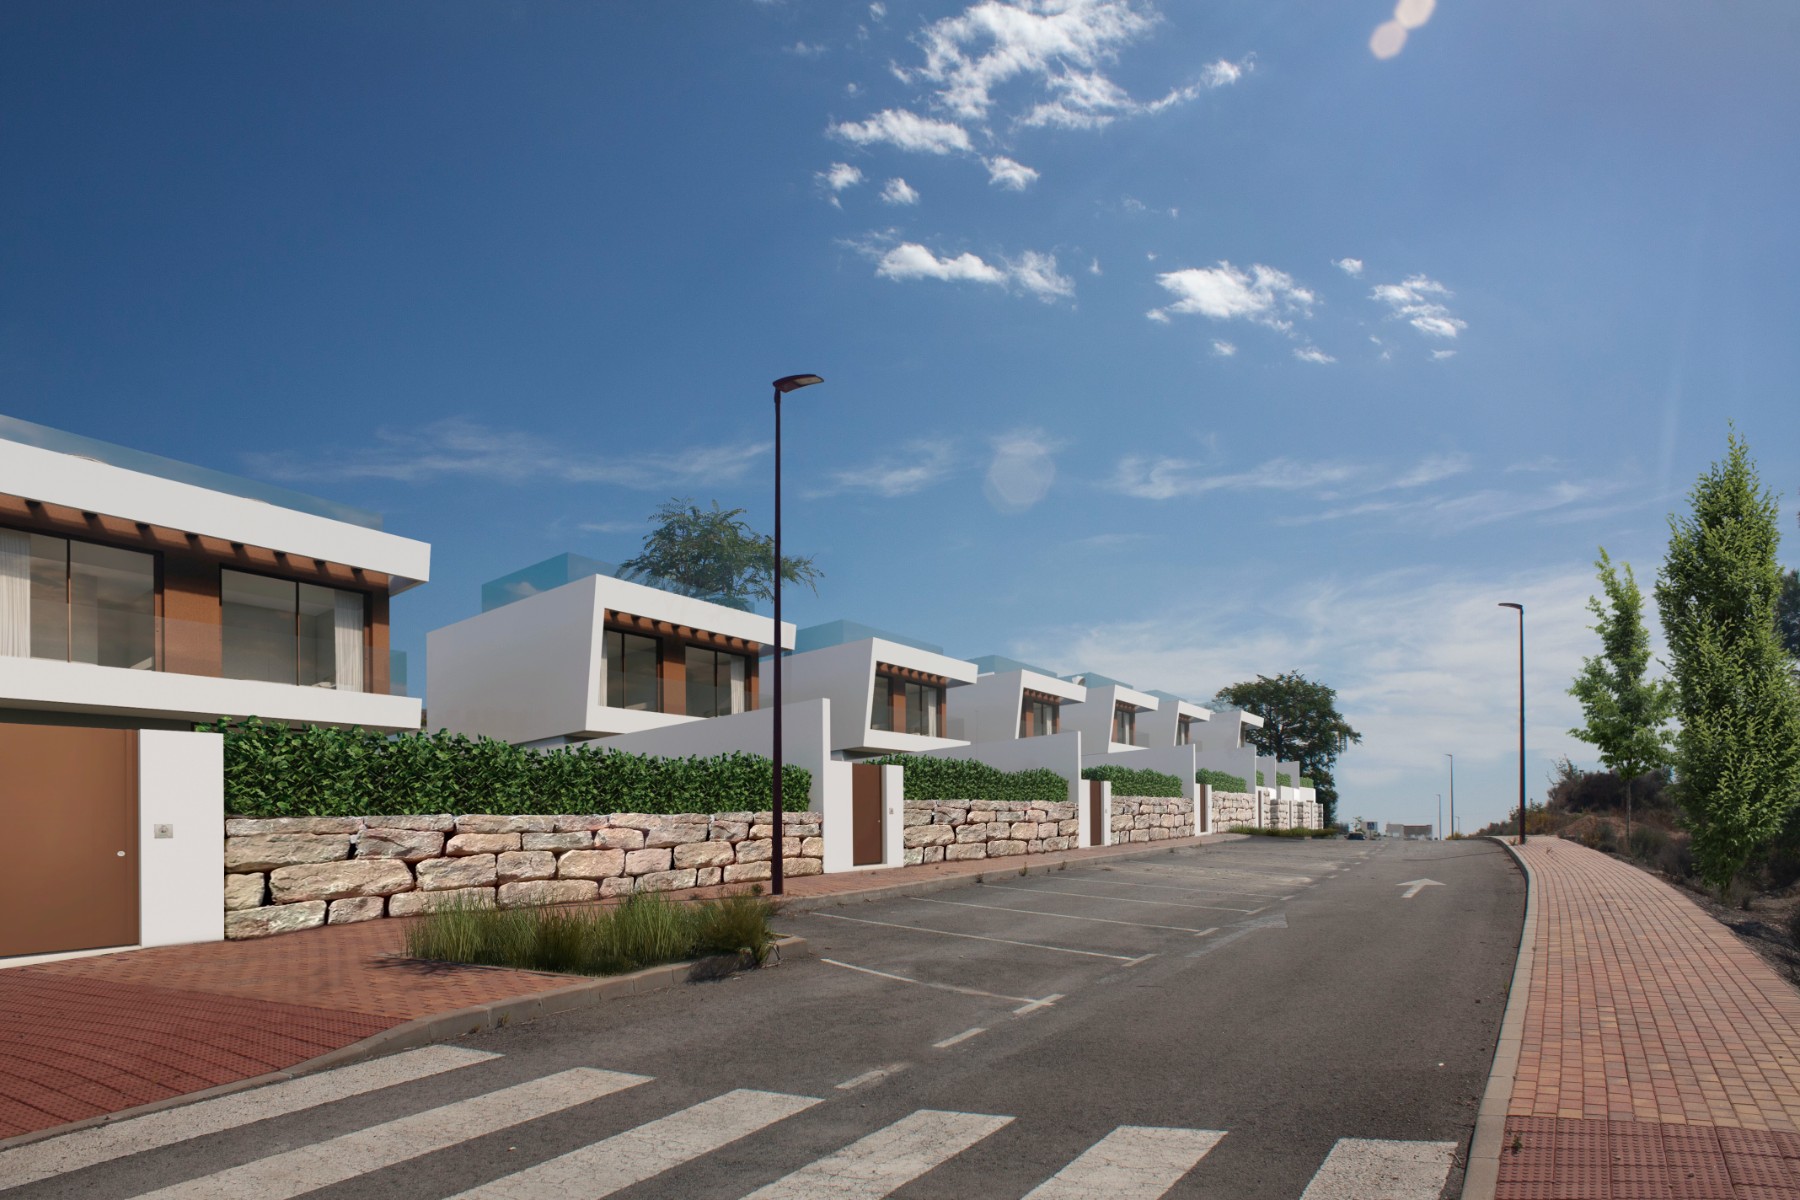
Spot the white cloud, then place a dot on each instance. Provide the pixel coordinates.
(898, 191)
(1004, 172)
(878, 10)
(1224, 73)
(1021, 471)
(1224, 293)
(1312, 354)
(1221, 348)
(806, 50)
(1561, 503)
(930, 462)
(1435, 468)
(460, 448)
(1441, 355)
(840, 176)
(1037, 274)
(1158, 315)
(1137, 208)
(1419, 301)
(906, 131)
(1165, 478)
(1094, 267)
(1349, 266)
(1032, 272)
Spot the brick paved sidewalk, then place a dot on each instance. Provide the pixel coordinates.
(1660, 1057)
(85, 1037)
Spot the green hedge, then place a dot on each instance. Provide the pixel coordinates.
(1259, 780)
(1129, 781)
(1306, 781)
(965, 779)
(1221, 781)
(1283, 779)
(274, 771)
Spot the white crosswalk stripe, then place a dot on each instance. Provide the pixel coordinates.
(1133, 1162)
(1370, 1169)
(885, 1160)
(608, 1166)
(296, 1172)
(134, 1135)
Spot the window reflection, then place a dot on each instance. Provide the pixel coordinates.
(631, 680)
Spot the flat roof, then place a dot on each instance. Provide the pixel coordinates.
(841, 633)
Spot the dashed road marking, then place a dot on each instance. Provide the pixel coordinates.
(1007, 887)
(886, 1160)
(964, 1036)
(1133, 1162)
(977, 937)
(942, 987)
(1038, 912)
(856, 1081)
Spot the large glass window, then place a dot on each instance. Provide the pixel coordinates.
(631, 678)
(922, 709)
(1039, 718)
(715, 682)
(918, 704)
(78, 601)
(284, 631)
(1124, 725)
(1184, 731)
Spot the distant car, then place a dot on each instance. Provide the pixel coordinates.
(1355, 835)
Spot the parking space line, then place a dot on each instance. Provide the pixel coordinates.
(1047, 1001)
(871, 1076)
(976, 937)
(1008, 887)
(1165, 887)
(964, 1036)
(942, 987)
(1038, 912)
(1267, 879)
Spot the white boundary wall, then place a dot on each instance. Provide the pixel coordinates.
(1171, 760)
(181, 785)
(1059, 752)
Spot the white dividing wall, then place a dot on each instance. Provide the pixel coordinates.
(1060, 752)
(181, 792)
(524, 672)
(805, 732)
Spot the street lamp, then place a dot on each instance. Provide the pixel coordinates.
(1452, 759)
(784, 385)
(1440, 824)
(1521, 610)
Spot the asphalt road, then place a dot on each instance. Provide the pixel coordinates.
(1303, 1026)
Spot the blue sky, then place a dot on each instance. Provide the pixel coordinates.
(1178, 342)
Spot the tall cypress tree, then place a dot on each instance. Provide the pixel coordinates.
(1737, 755)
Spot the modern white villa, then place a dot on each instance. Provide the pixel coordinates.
(1108, 718)
(564, 651)
(1174, 722)
(139, 592)
(1010, 699)
(889, 693)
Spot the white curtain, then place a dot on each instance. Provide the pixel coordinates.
(737, 662)
(15, 593)
(347, 623)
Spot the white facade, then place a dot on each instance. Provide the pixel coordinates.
(1164, 725)
(1093, 717)
(181, 818)
(535, 671)
(1223, 746)
(991, 708)
(846, 675)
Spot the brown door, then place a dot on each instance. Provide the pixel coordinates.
(1096, 814)
(865, 815)
(68, 803)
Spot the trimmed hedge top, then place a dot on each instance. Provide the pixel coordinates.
(274, 771)
(1283, 779)
(1306, 781)
(1131, 781)
(1221, 780)
(965, 779)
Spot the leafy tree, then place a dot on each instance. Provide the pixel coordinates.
(1737, 755)
(1627, 714)
(1787, 614)
(1301, 724)
(714, 554)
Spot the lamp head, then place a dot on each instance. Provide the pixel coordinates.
(1510, 604)
(790, 383)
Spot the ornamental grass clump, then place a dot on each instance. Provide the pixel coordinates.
(642, 932)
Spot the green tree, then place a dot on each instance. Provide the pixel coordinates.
(1627, 714)
(1787, 614)
(713, 553)
(1301, 724)
(1737, 755)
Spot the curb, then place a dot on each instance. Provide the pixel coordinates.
(1482, 1175)
(461, 1022)
(1002, 866)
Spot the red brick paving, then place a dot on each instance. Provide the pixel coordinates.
(89, 1036)
(1660, 1056)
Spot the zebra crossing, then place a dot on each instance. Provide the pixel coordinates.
(1128, 1163)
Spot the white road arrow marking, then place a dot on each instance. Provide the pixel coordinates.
(1413, 887)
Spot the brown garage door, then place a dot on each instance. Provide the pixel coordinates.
(865, 815)
(1096, 814)
(68, 803)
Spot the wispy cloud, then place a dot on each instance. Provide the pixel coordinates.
(1349, 266)
(898, 191)
(1223, 349)
(906, 130)
(1004, 172)
(1262, 294)
(1435, 468)
(1312, 354)
(1561, 502)
(807, 50)
(460, 448)
(1420, 302)
(1032, 272)
(840, 176)
(1152, 477)
(912, 468)
(1111, 541)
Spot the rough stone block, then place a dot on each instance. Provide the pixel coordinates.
(674, 833)
(516, 865)
(1023, 831)
(485, 823)
(618, 839)
(411, 904)
(754, 851)
(708, 876)
(618, 885)
(981, 816)
(750, 872)
(970, 834)
(335, 880)
(812, 847)
(591, 864)
(912, 856)
(250, 826)
(914, 815)
(802, 866)
(638, 821)
(964, 851)
(647, 862)
(580, 823)
(356, 908)
(548, 891)
(575, 840)
(427, 823)
(666, 881)
(1002, 847)
(407, 845)
(273, 919)
(481, 843)
(932, 854)
(444, 874)
(245, 891)
(703, 854)
(261, 851)
(926, 835)
(728, 831)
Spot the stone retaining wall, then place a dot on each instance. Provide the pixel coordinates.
(1151, 819)
(289, 873)
(1233, 808)
(955, 830)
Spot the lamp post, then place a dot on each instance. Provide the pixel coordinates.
(1521, 611)
(784, 385)
(1452, 759)
(1440, 824)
